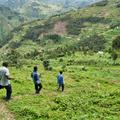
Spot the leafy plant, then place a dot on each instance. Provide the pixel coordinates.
(46, 64)
(114, 56)
(14, 58)
(116, 43)
(54, 37)
(102, 3)
(94, 43)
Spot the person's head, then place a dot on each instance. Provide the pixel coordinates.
(61, 72)
(5, 64)
(35, 68)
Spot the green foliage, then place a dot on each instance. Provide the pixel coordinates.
(76, 24)
(116, 43)
(54, 37)
(34, 54)
(34, 32)
(14, 58)
(46, 64)
(90, 92)
(114, 56)
(118, 5)
(102, 3)
(74, 27)
(93, 42)
(115, 24)
(8, 20)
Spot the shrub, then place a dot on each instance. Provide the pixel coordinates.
(49, 68)
(114, 56)
(61, 60)
(13, 57)
(114, 24)
(116, 43)
(118, 5)
(14, 45)
(93, 42)
(74, 27)
(102, 3)
(46, 64)
(55, 37)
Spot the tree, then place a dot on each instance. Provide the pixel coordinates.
(54, 37)
(46, 64)
(114, 56)
(93, 42)
(116, 43)
(13, 57)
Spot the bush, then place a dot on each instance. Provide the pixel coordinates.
(49, 68)
(13, 57)
(118, 5)
(114, 24)
(46, 64)
(102, 3)
(93, 42)
(61, 60)
(114, 56)
(116, 43)
(55, 37)
(74, 27)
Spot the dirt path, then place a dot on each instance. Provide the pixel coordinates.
(5, 114)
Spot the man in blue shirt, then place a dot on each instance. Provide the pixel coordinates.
(36, 80)
(60, 81)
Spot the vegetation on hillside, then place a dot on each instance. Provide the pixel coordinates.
(8, 20)
(73, 29)
(85, 45)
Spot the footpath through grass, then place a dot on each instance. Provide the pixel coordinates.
(91, 94)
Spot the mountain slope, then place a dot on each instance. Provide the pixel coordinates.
(44, 8)
(8, 20)
(67, 29)
(14, 12)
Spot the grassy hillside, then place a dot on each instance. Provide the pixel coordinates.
(65, 31)
(8, 20)
(34, 9)
(69, 42)
(91, 93)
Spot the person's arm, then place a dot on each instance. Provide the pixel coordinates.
(58, 79)
(8, 75)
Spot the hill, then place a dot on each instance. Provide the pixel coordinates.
(67, 30)
(16, 12)
(8, 20)
(33, 9)
(80, 44)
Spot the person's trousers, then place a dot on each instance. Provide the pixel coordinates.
(8, 90)
(38, 87)
(61, 85)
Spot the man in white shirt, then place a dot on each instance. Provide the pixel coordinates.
(5, 80)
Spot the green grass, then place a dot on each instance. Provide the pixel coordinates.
(91, 94)
(92, 82)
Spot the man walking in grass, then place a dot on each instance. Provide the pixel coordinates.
(36, 80)
(60, 81)
(5, 80)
